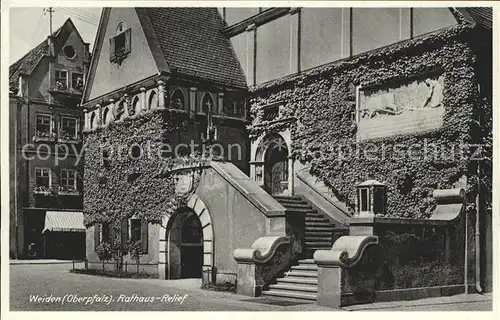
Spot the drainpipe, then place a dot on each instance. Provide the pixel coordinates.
(478, 249)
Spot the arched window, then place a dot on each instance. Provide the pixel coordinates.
(92, 120)
(135, 107)
(153, 101)
(105, 116)
(228, 106)
(122, 26)
(178, 101)
(207, 103)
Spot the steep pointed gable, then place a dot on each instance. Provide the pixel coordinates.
(192, 43)
(30, 60)
(141, 63)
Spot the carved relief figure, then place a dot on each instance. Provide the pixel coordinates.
(396, 100)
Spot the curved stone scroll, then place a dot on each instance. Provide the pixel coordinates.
(346, 252)
(262, 250)
(449, 204)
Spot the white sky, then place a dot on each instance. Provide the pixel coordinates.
(30, 26)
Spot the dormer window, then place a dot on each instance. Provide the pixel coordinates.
(119, 45)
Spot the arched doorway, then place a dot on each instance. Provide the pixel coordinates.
(191, 247)
(276, 168)
(271, 165)
(185, 243)
(170, 242)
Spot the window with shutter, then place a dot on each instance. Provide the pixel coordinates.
(124, 234)
(120, 46)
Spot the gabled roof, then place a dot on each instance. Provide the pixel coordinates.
(30, 60)
(193, 44)
(26, 64)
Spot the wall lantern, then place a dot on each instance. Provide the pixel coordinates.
(371, 199)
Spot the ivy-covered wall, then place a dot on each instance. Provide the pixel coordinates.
(319, 107)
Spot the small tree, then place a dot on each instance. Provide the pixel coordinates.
(135, 250)
(104, 252)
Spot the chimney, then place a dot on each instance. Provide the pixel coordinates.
(50, 40)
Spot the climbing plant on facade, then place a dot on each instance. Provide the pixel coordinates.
(322, 104)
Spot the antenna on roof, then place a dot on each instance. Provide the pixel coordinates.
(50, 15)
(51, 42)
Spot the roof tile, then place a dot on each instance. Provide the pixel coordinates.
(192, 42)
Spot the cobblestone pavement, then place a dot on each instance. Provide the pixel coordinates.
(31, 285)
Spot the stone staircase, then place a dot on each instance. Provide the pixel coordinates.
(300, 282)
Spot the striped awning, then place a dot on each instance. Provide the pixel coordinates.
(64, 221)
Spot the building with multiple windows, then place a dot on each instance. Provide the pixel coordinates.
(297, 89)
(46, 86)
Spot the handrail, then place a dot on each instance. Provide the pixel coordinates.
(321, 194)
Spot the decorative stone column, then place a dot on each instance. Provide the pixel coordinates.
(143, 100)
(192, 100)
(125, 102)
(112, 109)
(99, 122)
(290, 175)
(161, 95)
(86, 120)
(220, 104)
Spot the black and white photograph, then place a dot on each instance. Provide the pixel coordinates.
(268, 156)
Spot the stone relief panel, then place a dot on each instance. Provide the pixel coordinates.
(413, 107)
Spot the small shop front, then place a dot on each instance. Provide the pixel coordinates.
(64, 235)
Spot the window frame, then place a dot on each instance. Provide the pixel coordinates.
(49, 176)
(117, 56)
(66, 82)
(51, 123)
(72, 84)
(131, 229)
(75, 178)
(76, 119)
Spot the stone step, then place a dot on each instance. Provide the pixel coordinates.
(310, 224)
(321, 228)
(294, 287)
(305, 267)
(290, 294)
(313, 239)
(300, 280)
(295, 205)
(307, 261)
(288, 198)
(317, 219)
(302, 273)
(318, 234)
(315, 244)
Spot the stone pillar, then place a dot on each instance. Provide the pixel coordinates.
(99, 121)
(294, 40)
(125, 106)
(161, 95)
(86, 120)
(192, 100)
(220, 103)
(330, 287)
(143, 100)
(290, 175)
(111, 109)
(251, 51)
